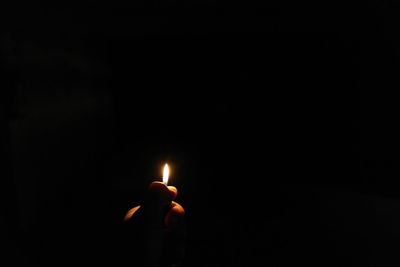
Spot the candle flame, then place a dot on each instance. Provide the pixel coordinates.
(165, 174)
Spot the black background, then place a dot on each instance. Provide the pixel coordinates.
(278, 119)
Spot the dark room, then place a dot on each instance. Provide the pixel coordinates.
(199, 133)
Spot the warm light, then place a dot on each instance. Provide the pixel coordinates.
(166, 174)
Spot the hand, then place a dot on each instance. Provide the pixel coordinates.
(160, 226)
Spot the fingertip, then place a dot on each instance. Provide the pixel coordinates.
(175, 216)
(130, 213)
(159, 193)
(157, 185)
(177, 208)
(173, 190)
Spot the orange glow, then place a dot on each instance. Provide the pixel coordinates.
(165, 174)
(130, 213)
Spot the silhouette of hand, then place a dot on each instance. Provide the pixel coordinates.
(159, 226)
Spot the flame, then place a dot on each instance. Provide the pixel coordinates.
(165, 174)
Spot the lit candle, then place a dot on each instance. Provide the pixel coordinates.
(165, 174)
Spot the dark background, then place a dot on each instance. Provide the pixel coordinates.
(279, 121)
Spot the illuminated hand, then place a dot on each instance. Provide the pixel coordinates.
(160, 226)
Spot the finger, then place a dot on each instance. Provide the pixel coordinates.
(159, 194)
(176, 234)
(173, 190)
(157, 203)
(175, 216)
(130, 213)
